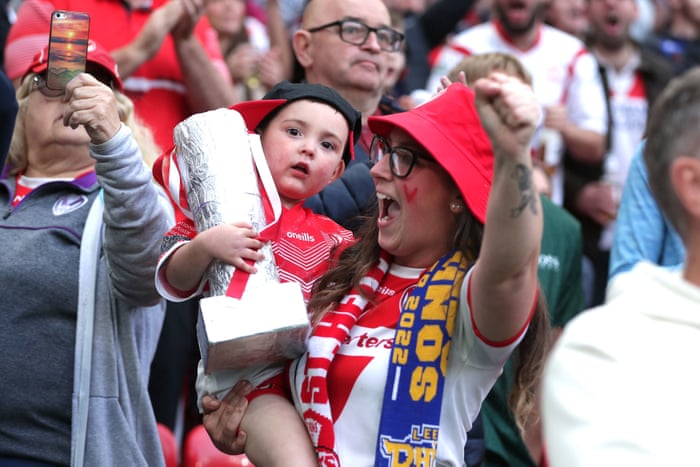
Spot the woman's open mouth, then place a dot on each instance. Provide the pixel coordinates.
(388, 207)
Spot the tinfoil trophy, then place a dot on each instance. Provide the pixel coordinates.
(247, 319)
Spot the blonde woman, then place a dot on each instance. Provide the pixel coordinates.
(77, 355)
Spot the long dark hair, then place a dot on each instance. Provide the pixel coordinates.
(529, 360)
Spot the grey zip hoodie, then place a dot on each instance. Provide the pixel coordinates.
(40, 241)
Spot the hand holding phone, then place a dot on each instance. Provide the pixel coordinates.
(68, 42)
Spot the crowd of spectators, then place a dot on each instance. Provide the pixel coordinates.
(596, 68)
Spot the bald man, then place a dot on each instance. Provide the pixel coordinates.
(355, 65)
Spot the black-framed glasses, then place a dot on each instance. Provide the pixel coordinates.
(356, 33)
(401, 159)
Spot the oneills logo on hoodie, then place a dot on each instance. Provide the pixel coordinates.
(68, 203)
(303, 236)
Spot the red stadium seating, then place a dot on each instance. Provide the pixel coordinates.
(199, 451)
(169, 445)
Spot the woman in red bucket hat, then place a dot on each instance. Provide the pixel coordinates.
(420, 315)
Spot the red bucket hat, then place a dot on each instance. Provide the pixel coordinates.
(97, 58)
(256, 112)
(449, 128)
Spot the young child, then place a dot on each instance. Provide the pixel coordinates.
(307, 134)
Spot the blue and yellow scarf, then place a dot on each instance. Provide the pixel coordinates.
(410, 419)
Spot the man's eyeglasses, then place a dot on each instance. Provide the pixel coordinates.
(356, 33)
(401, 159)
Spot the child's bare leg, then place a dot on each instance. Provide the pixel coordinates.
(276, 435)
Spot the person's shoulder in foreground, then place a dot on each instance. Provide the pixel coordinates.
(619, 388)
(8, 110)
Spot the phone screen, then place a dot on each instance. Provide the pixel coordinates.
(68, 44)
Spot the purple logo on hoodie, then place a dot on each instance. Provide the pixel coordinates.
(68, 203)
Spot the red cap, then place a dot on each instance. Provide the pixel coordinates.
(97, 57)
(449, 128)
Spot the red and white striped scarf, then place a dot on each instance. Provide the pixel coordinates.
(328, 336)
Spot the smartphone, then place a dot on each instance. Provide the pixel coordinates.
(68, 43)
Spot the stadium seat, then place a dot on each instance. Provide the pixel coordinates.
(199, 451)
(169, 446)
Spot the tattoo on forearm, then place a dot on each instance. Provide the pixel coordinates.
(523, 176)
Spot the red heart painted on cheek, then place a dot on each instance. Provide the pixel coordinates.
(410, 193)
